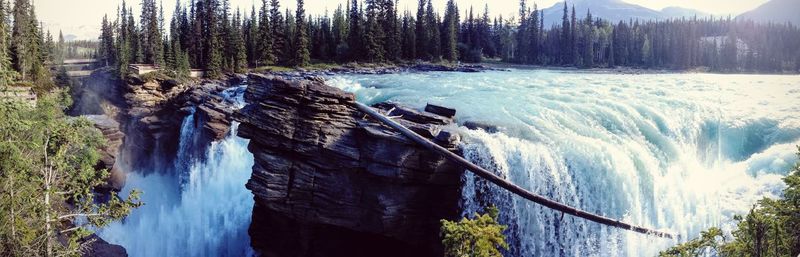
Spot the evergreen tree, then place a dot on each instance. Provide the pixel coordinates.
(423, 34)
(301, 57)
(340, 34)
(212, 39)
(226, 37)
(106, 51)
(432, 24)
(24, 44)
(522, 33)
(451, 32)
(574, 36)
(239, 50)
(354, 36)
(279, 36)
(374, 36)
(566, 37)
(409, 37)
(266, 52)
(391, 39)
(151, 38)
(588, 41)
(7, 72)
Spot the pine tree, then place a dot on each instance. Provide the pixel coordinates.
(250, 32)
(170, 62)
(451, 32)
(522, 33)
(226, 36)
(151, 38)
(574, 36)
(391, 42)
(107, 49)
(212, 40)
(279, 36)
(301, 57)
(566, 37)
(588, 41)
(374, 36)
(266, 54)
(23, 39)
(409, 37)
(423, 34)
(354, 36)
(340, 33)
(432, 23)
(533, 55)
(7, 73)
(239, 50)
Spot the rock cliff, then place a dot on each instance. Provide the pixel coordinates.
(327, 181)
(154, 110)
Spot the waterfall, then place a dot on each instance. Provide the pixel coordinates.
(204, 211)
(674, 152)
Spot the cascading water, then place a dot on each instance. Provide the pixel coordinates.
(201, 207)
(676, 152)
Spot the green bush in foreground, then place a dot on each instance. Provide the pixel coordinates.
(772, 228)
(47, 181)
(478, 237)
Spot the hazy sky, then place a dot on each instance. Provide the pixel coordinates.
(82, 17)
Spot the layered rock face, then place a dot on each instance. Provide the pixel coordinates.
(327, 181)
(155, 110)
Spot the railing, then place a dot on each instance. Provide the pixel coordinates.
(506, 184)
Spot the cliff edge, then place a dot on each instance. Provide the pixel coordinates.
(327, 181)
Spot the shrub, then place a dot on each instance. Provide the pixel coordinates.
(481, 236)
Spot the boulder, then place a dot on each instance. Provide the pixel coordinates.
(97, 247)
(474, 125)
(327, 181)
(440, 110)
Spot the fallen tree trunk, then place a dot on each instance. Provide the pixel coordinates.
(508, 185)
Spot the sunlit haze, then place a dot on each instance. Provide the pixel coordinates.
(81, 18)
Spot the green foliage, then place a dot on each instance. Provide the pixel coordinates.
(772, 228)
(302, 55)
(708, 240)
(481, 236)
(374, 31)
(47, 176)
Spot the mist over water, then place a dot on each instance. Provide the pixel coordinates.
(675, 152)
(197, 207)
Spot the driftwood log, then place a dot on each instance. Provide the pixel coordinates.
(506, 184)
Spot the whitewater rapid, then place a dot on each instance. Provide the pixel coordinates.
(196, 207)
(676, 152)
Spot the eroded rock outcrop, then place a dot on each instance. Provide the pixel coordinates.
(327, 181)
(156, 108)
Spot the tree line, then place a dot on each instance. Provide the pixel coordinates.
(209, 35)
(24, 46)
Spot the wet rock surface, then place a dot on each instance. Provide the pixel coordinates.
(327, 181)
(97, 247)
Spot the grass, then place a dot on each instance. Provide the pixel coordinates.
(273, 69)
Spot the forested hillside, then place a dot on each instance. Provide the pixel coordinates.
(210, 35)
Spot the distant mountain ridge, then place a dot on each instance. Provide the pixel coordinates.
(615, 10)
(779, 11)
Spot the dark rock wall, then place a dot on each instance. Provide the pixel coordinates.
(329, 182)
